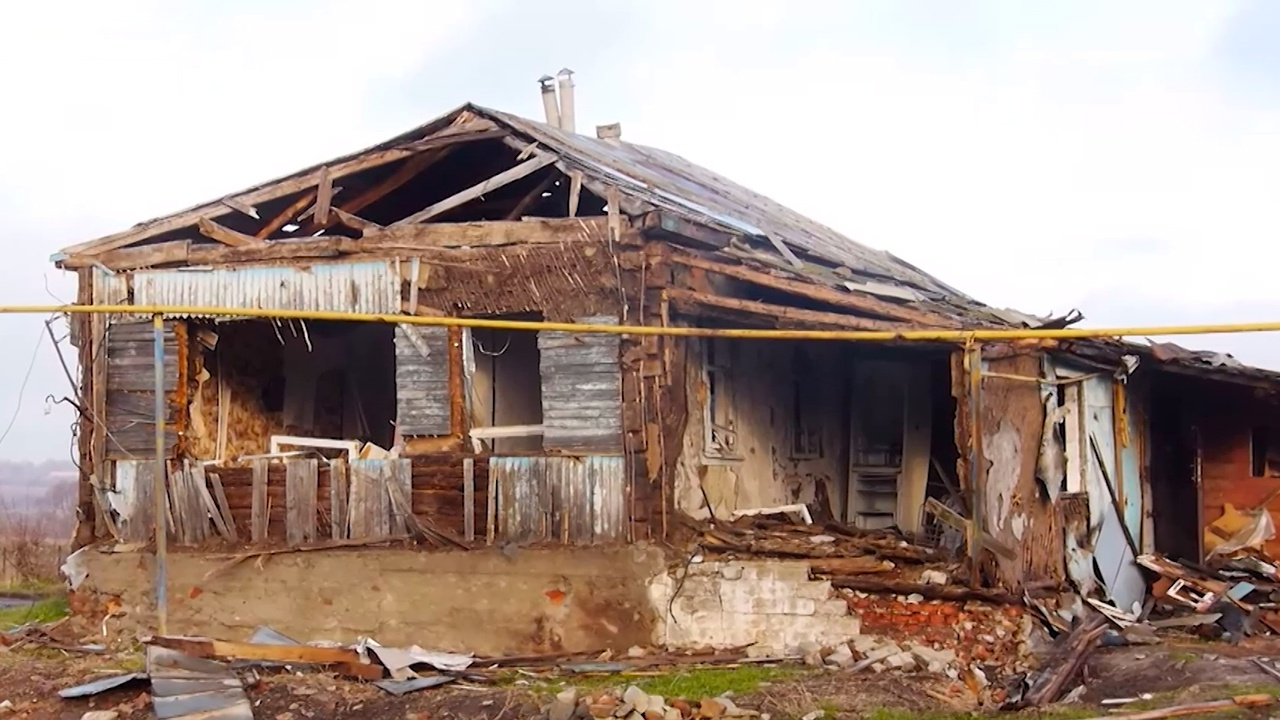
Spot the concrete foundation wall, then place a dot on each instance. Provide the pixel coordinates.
(771, 604)
(484, 602)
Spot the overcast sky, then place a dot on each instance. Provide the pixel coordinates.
(1119, 157)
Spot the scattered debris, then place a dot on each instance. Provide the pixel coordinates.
(1242, 701)
(634, 702)
(404, 687)
(102, 685)
(188, 687)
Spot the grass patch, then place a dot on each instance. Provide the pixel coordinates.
(40, 611)
(33, 587)
(691, 684)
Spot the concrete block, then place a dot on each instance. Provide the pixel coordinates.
(815, 590)
(927, 655)
(841, 656)
(731, 571)
(832, 607)
(787, 571)
(901, 661)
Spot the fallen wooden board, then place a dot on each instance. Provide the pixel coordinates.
(1240, 701)
(303, 654)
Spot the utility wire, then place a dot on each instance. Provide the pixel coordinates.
(35, 353)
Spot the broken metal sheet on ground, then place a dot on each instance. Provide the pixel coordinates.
(187, 687)
(101, 685)
(404, 687)
(398, 661)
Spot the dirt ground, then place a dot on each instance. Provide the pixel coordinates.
(1174, 673)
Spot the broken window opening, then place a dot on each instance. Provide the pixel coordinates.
(720, 437)
(331, 380)
(505, 389)
(806, 408)
(1264, 452)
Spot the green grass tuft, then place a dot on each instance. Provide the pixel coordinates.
(40, 611)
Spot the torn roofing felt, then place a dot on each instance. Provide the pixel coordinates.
(647, 179)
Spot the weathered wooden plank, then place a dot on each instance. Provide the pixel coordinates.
(135, 479)
(581, 389)
(225, 523)
(300, 500)
(422, 380)
(469, 498)
(370, 507)
(207, 507)
(398, 472)
(338, 497)
(260, 509)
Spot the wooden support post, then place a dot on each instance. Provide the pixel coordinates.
(977, 524)
(300, 501)
(338, 496)
(399, 472)
(158, 493)
(469, 498)
(260, 519)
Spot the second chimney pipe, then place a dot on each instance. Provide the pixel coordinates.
(549, 105)
(565, 78)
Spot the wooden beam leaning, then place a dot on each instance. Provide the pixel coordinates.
(324, 197)
(534, 196)
(502, 179)
(225, 235)
(355, 222)
(779, 312)
(286, 215)
(858, 303)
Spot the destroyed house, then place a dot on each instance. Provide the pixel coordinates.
(596, 447)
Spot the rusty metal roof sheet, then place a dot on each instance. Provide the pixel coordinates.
(363, 287)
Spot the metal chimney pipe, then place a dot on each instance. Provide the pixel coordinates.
(549, 105)
(565, 80)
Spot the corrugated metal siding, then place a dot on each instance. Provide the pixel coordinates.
(365, 287)
(581, 390)
(131, 387)
(576, 500)
(422, 380)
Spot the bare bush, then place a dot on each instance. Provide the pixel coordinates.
(33, 545)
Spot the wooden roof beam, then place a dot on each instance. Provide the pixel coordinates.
(225, 235)
(286, 215)
(412, 167)
(355, 222)
(471, 131)
(500, 180)
(814, 291)
(779, 313)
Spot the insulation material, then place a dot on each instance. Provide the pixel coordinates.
(558, 282)
(422, 380)
(243, 398)
(581, 390)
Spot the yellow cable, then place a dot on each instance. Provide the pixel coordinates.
(923, 335)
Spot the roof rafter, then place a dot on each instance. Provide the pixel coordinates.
(224, 234)
(502, 179)
(286, 215)
(470, 131)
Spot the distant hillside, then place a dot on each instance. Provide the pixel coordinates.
(36, 486)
